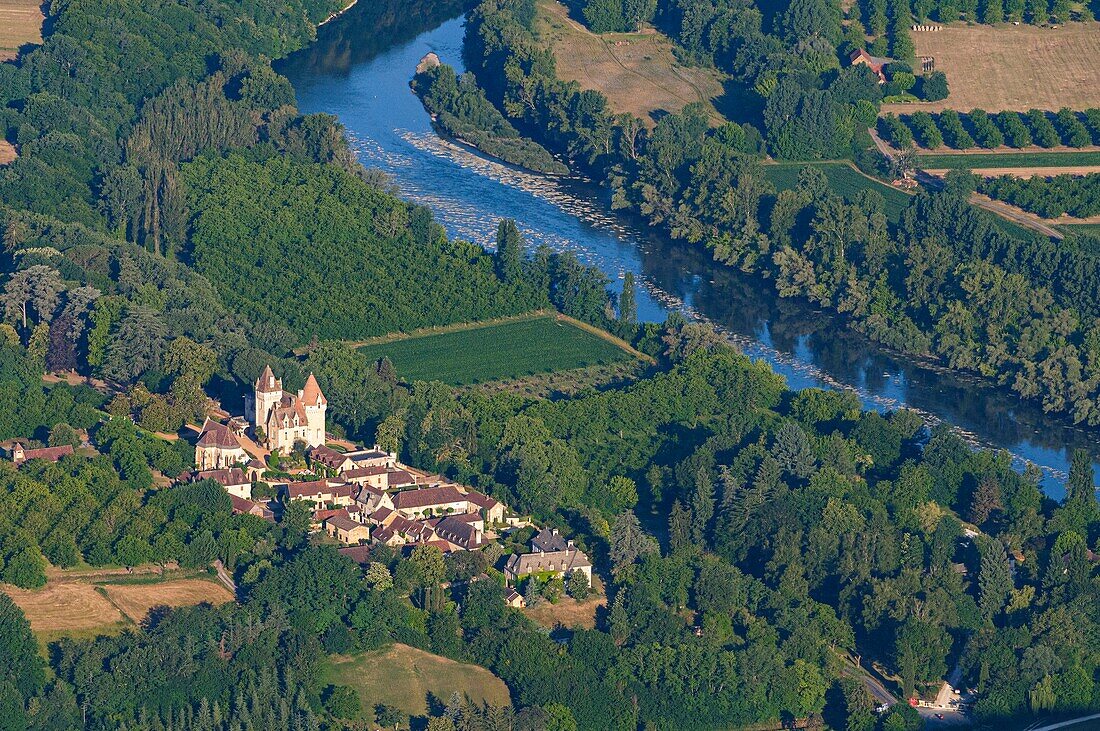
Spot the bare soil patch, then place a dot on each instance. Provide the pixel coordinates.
(64, 608)
(135, 600)
(637, 72)
(1007, 67)
(7, 150)
(20, 23)
(568, 612)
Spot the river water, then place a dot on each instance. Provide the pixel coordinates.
(359, 70)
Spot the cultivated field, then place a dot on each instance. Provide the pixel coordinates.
(637, 72)
(135, 600)
(1005, 160)
(402, 676)
(1013, 67)
(511, 349)
(844, 180)
(69, 608)
(20, 23)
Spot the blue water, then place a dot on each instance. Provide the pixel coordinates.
(469, 194)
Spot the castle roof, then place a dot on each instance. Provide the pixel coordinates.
(311, 394)
(267, 382)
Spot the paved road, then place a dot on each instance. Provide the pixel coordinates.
(224, 577)
(1063, 724)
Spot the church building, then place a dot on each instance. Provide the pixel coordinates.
(284, 418)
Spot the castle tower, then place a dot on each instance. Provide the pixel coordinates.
(269, 392)
(315, 405)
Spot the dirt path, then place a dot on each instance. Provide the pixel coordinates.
(1016, 215)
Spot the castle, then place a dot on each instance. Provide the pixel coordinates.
(284, 418)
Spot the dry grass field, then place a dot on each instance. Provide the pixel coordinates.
(567, 612)
(66, 608)
(135, 600)
(1016, 68)
(637, 72)
(402, 676)
(20, 23)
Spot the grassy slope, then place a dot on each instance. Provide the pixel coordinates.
(511, 349)
(402, 676)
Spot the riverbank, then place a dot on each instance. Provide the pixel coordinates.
(468, 194)
(338, 13)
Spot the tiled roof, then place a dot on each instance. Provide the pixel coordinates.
(342, 522)
(427, 496)
(358, 554)
(218, 435)
(482, 501)
(48, 453)
(267, 382)
(530, 563)
(548, 540)
(311, 393)
(327, 456)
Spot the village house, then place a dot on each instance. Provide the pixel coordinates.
(21, 455)
(218, 448)
(398, 530)
(465, 532)
(428, 501)
(285, 418)
(331, 459)
(320, 492)
(514, 599)
(346, 530)
(234, 480)
(563, 563)
(875, 63)
(549, 540)
(375, 457)
(241, 506)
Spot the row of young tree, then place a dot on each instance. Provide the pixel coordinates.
(1035, 12)
(1073, 195)
(979, 128)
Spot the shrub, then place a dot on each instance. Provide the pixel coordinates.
(894, 131)
(986, 133)
(1015, 131)
(1092, 121)
(1042, 130)
(924, 129)
(933, 86)
(954, 134)
(1073, 132)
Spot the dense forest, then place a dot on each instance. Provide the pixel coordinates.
(751, 540)
(948, 282)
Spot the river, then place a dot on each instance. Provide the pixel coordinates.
(359, 70)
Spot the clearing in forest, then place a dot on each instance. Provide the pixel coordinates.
(66, 608)
(402, 676)
(1013, 67)
(135, 600)
(637, 72)
(20, 23)
(511, 348)
(568, 612)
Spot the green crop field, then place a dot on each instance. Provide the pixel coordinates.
(971, 161)
(480, 354)
(402, 676)
(844, 181)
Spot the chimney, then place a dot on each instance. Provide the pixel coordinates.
(553, 531)
(569, 545)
